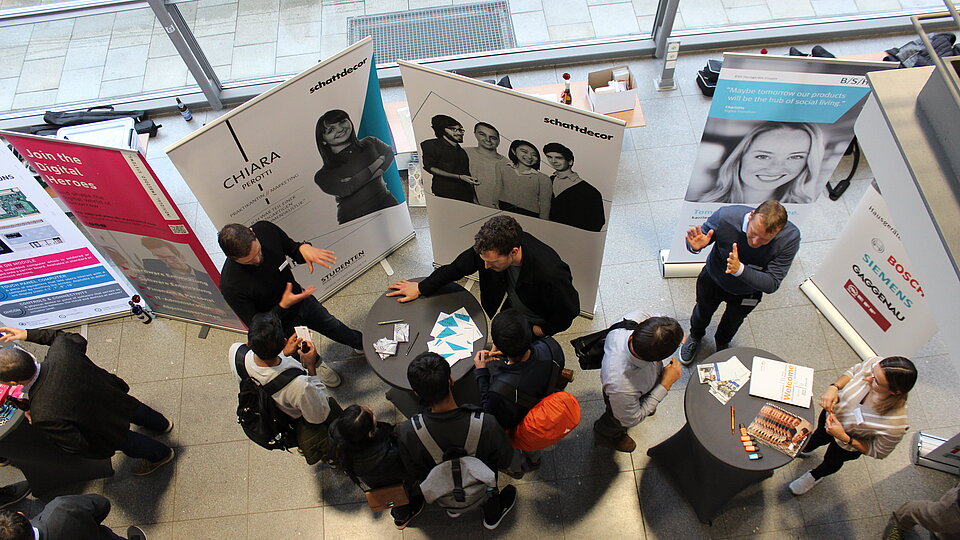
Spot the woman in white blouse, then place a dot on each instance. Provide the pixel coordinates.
(864, 412)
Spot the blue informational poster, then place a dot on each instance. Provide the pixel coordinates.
(777, 128)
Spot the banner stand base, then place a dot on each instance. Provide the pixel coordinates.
(925, 444)
(677, 270)
(832, 314)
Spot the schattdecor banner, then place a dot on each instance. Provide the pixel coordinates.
(50, 275)
(777, 128)
(312, 155)
(869, 279)
(130, 217)
(486, 150)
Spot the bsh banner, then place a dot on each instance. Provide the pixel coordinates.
(869, 279)
(312, 155)
(130, 217)
(777, 128)
(487, 150)
(50, 275)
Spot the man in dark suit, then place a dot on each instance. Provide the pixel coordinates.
(69, 517)
(81, 407)
(510, 262)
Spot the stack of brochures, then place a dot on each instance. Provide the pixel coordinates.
(724, 378)
(780, 381)
(454, 335)
(780, 429)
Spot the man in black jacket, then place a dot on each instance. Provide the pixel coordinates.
(510, 262)
(66, 517)
(81, 407)
(448, 424)
(256, 278)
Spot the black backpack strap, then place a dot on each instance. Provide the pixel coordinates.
(280, 381)
(240, 360)
(558, 361)
(626, 323)
(509, 392)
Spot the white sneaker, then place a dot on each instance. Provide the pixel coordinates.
(803, 484)
(330, 378)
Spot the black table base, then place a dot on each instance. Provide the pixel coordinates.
(706, 482)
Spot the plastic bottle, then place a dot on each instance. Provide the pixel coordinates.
(184, 111)
(566, 97)
(141, 310)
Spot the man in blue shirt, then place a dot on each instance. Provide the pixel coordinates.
(753, 251)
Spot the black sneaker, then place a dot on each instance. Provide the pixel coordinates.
(415, 508)
(688, 351)
(508, 498)
(13, 493)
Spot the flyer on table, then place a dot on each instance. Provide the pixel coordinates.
(50, 275)
(130, 217)
(313, 156)
(777, 128)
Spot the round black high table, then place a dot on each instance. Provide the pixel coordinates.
(708, 463)
(421, 314)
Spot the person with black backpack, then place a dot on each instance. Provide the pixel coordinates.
(368, 452)
(454, 451)
(304, 407)
(514, 376)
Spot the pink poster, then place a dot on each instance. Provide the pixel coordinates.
(131, 218)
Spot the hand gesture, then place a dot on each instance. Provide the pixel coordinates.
(376, 164)
(671, 373)
(733, 260)
(482, 358)
(309, 356)
(829, 398)
(537, 331)
(406, 290)
(469, 179)
(323, 257)
(10, 334)
(834, 428)
(289, 299)
(293, 342)
(697, 239)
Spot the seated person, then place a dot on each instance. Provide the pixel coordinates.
(305, 399)
(510, 262)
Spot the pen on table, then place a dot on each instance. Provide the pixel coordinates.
(410, 348)
(390, 322)
(733, 419)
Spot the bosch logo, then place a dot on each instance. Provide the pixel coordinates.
(877, 245)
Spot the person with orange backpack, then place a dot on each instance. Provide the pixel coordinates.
(634, 376)
(517, 376)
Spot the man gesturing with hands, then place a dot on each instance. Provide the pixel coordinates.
(752, 253)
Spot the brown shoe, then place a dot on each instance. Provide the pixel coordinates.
(144, 467)
(626, 444)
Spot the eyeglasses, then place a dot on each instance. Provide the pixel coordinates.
(457, 129)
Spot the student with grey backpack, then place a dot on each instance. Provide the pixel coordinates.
(454, 451)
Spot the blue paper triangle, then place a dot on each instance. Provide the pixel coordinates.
(456, 347)
(462, 317)
(449, 321)
(446, 332)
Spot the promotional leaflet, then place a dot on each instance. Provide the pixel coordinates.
(486, 150)
(777, 128)
(313, 156)
(50, 275)
(130, 217)
(780, 381)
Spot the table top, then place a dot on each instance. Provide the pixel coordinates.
(421, 314)
(710, 421)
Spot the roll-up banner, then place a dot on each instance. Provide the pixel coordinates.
(867, 277)
(130, 217)
(486, 150)
(312, 155)
(777, 128)
(50, 274)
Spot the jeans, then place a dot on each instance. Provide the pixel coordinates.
(313, 315)
(138, 445)
(835, 456)
(709, 297)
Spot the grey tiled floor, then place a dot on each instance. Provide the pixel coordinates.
(112, 55)
(221, 486)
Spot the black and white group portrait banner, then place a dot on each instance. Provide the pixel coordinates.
(777, 128)
(312, 155)
(486, 150)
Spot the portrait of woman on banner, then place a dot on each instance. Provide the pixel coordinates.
(523, 188)
(774, 160)
(352, 169)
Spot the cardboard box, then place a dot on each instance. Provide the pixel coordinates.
(612, 102)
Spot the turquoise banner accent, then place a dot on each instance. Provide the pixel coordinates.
(374, 124)
(784, 102)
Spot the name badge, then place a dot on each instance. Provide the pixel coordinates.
(858, 415)
(749, 302)
(285, 264)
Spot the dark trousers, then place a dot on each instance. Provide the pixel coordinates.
(709, 297)
(835, 456)
(608, 425)
(138, 445)
(313, 315)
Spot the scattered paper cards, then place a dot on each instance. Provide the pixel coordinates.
(724, 378)
(388, 347)
(454, 334)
